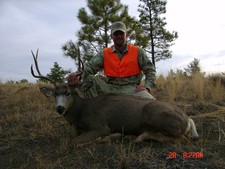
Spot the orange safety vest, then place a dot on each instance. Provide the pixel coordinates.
(127, 66)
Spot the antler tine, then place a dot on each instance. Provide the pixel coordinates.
(35, 61)
(80, 62)
(37, 69)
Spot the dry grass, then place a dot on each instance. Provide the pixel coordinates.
(32, 135)
(175, 88)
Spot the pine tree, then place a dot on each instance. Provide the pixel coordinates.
(157, 39)
(193, 67)
(57, 74)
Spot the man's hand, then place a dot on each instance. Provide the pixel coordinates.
(73, 79)
(140, 88)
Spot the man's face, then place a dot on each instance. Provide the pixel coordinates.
(119, 38)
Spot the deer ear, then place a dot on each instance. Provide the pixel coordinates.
(47, 91)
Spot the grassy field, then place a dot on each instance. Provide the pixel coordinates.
(33, 135)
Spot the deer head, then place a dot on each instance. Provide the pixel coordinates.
(61, 91)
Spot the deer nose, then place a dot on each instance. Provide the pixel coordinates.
(60, 109)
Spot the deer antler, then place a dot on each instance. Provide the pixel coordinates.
(40, 76)
(80, 63)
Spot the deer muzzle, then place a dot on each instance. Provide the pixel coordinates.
(60, 109)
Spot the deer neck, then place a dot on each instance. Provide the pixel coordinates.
(73, 112)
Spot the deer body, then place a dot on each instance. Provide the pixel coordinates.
(102, 115)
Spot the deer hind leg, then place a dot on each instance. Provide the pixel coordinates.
(155, 136)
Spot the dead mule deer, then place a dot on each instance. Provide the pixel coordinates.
(105, 114)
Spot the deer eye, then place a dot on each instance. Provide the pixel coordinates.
(68, 93)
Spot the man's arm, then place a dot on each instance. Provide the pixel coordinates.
(93, 66)
(147, 68)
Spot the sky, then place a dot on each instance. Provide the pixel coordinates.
(46, 25)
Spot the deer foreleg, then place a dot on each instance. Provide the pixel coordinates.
(90, 136)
